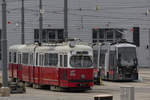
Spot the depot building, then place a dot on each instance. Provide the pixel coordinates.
(90, 20)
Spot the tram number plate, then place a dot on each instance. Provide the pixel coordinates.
(82, 84)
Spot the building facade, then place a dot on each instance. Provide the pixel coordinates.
(84, 17)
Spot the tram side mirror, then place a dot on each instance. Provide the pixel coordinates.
(100, 67)
(136, 61)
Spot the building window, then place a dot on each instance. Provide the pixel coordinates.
(107, 34)
(49, 35)
(136, 36)
(60, 35)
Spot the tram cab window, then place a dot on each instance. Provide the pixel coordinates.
(53, 59)
(81, 61)
(65, 60)
(25, 58)
(127, 56)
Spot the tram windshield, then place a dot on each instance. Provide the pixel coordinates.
(81, 61)
(127, 56)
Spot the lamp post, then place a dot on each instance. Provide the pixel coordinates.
(22, 23)
(40, 21)
(5, 89)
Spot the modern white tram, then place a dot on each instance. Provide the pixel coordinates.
(116, 61)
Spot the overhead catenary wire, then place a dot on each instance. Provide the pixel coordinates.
(87, 17)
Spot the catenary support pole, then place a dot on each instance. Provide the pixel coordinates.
(22, 23)
(4, 89)
(65, 19)
(40, 21)
(4, 44)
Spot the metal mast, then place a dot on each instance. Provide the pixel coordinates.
(22, 23)
(4, 45)
(40, 21)
(65, 19)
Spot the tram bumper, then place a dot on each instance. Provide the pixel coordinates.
(128, 77)
(80, 83)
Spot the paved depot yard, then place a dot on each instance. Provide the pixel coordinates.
(142, 91)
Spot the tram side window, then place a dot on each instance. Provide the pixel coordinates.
(14, 57)
(19, 58)
(112, 58)
(61, 60)
(65, 60)
(25, 58)
(53, 59)
(46, 59)
(10, 57)
(40, 60)
(102, 59)
(95, 57)
(31, 59)
(36, 58)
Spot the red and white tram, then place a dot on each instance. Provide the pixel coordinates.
(67, 65)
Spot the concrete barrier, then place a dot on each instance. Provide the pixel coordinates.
(127, 93)
(103, 97)
(5, 91)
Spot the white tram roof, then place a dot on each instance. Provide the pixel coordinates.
(22, 48)
(16, 47)
(64, 47)
(28, 48)
(117, 45)
(124, 45)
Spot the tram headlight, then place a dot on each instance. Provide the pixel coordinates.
(95, 74)
(82, 76)
(120, 70)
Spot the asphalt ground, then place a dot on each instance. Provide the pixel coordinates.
(142, 91)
